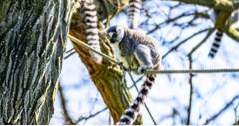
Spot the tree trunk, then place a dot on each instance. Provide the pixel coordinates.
(32, 42)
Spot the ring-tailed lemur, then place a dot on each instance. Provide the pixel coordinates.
(233, 19)
(139, 51)
(134, 12)
(92, 33)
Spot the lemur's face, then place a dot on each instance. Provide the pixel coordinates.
(116, 34)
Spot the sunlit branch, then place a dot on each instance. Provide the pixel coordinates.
(233, 32)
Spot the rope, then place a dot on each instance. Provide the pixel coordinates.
(205, 71)
(79, 42)
(202, 71)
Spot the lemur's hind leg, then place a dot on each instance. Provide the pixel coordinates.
(143, 55)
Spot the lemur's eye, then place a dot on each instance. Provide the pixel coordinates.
(114, 36)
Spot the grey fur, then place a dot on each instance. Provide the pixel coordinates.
(138, 49)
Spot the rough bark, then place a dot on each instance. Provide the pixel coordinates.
(32, 41)
(107, 77)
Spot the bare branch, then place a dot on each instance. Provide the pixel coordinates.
(228, 105)
(68, 119)
(190, 81)
(90, 116)
(184, 41)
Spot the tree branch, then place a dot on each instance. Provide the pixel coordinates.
(233, 32)
(225, 5)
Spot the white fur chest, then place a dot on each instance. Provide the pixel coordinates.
(117, 54)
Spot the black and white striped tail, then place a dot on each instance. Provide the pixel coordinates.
(134, 12)
(130, 114)
(91, 22)
(216, 44)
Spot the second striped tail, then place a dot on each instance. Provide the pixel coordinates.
(134, 12)
(91, 22)
(216, 44)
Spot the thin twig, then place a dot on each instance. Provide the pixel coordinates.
(168, 21)
(92, 107)
(91, 116)
(222, 110)
(183, 41)
(67, 117)
(140, 78)
(69, 55)
(203, 41)
(70, 50)
(190, 81)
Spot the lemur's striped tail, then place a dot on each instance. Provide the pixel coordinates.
(130, 114)
(134, 12)
(216, 44)
(91, 22)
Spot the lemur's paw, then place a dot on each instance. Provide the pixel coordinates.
(142, 69)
